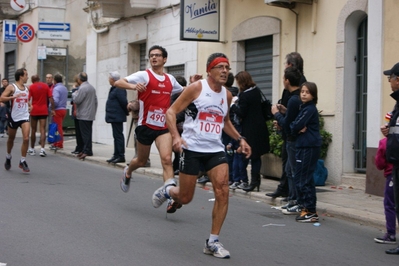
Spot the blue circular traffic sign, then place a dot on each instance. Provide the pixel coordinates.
(25, 32)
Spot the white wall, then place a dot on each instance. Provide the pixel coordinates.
(112, 48)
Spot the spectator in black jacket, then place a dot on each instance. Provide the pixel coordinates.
(115, 113)
(253, 124)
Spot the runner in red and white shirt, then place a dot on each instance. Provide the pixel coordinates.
(18, 94)
(154, 89)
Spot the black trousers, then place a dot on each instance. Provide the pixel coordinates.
(283, 186)
(86, 129)
(78, 135)
(119, 140)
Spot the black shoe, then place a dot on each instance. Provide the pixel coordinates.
(75, 152)
(276, 194)
(203, 179)
(7, 164)
(24, 166)
(119, 160)
(251, 187)
(111, 159)
(393, 251)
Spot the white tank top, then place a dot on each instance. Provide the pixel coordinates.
(204, 120)
(19, 106)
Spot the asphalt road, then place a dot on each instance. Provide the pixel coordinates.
(71, 212)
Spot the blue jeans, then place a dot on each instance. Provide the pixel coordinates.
(306, 162)
(239, 170)
(290, 170)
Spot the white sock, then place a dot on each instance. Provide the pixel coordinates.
(213, 238)
(8, 156)
(23, 159)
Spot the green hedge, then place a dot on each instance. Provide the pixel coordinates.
(276, 142)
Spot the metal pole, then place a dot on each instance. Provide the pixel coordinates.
(41, 70)
(67, 66)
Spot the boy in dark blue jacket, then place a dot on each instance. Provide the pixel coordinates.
(308, 143)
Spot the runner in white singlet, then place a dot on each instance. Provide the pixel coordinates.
(18, 94)
(206, 104)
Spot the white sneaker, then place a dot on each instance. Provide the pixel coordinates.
(295, 210)
(216, 249)
(43, 153)
(160, 195)
(31, 152)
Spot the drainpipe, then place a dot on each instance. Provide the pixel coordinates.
(222, 22)
(296, 30)
(314, 16)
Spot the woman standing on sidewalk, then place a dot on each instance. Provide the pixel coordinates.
(249, 110)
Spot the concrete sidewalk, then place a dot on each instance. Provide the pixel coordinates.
(333, 201)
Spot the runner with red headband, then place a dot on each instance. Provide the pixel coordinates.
(206, 104)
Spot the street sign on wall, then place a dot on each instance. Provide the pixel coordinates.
(41, 53)
(10, 31)
(54, 30)
(25, 32)
(199, 20)
(56, 51)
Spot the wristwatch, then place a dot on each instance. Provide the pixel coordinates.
(240, 138)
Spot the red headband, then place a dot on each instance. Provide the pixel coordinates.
(216, 61)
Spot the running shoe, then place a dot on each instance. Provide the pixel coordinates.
(386, 239)
(7, 164)
(24, 166)
(307, 217)
(235, 185)
(216, 249)
(173, 206)
(160, 195)
(43, 153)
(289, 204)
(243, 185)
(125, 182)
(31, 152)
(293, 210)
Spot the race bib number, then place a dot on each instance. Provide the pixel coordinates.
(156, 116)
(210, 125)
(22, 101)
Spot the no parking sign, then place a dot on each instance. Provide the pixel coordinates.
(25, 32)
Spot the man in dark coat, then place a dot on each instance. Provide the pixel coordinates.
(115, 113)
